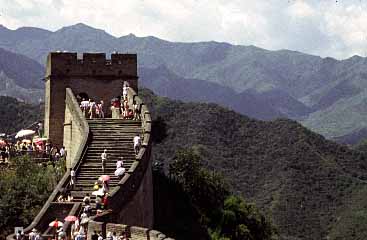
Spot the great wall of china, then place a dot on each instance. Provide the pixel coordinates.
(130, 199)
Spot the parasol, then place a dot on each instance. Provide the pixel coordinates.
(70, 218)
(39, 140)
(24, 133)
(105, 178)
(55, 224)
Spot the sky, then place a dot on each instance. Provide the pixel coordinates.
(327, 28)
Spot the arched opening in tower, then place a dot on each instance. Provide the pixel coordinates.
(82, 96)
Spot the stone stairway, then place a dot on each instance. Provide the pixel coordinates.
(115, 135)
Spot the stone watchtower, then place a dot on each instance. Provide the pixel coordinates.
(92, 76)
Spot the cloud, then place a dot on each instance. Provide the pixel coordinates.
(320, 27)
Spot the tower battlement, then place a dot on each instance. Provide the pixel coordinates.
(68, 64)
(92, 74)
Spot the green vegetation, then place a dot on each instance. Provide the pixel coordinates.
(223, 215)
(25, 186)
(296, 177)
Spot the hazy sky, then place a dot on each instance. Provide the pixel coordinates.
(321, 27)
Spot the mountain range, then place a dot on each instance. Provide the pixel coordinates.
(310, 187)
(324, 94)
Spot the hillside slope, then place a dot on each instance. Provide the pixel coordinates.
(304, 182)
(20, 77)
(15, 115)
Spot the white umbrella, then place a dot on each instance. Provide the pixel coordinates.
(24, 133)
(98, 193)
(120, 171)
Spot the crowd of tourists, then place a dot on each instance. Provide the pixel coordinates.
(120, 108)
(91, 109)
(42, 151)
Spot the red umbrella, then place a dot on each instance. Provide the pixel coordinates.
(55, 224)
(71, 218)
(105, 178)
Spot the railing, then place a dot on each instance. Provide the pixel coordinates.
(72, 103)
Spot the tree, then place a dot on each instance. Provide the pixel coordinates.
(226, 216)
(25, 186)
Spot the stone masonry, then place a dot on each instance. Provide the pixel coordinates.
(93, 75)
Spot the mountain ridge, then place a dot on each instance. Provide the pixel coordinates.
(320, 84)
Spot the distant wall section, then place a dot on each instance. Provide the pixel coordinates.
(93, 74)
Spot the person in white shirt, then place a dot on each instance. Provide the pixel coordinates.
(120, 162)
(125, 89)
(92, 109)
(104, 159)
(84, 105)
(72, 178)
(99, 109)
(137, 144)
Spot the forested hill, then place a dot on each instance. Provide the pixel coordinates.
(304, 182)
(16, 115)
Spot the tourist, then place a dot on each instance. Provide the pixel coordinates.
(125, 89)
(123, 236)
(84, 105)
(109, 236)
(61, 234)
(32, 234)
(98, 202)
(105, 187)
(86, 199)
(99, 109)
(87, 209)
(136, 111)
(18, 235)
(120, 172)
(100, 236)
(105, 201)
(126, 109)
(38, 236)
(62, 152)
(40, 129)
(114, 237)
(137, 144)
(92, 109)
(104, 159)
(72, 178)
(120, 162)
(84, 218)
(94, 235)
(130, 114)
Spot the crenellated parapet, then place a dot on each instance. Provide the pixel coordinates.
(92, 64)
(133, 232)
